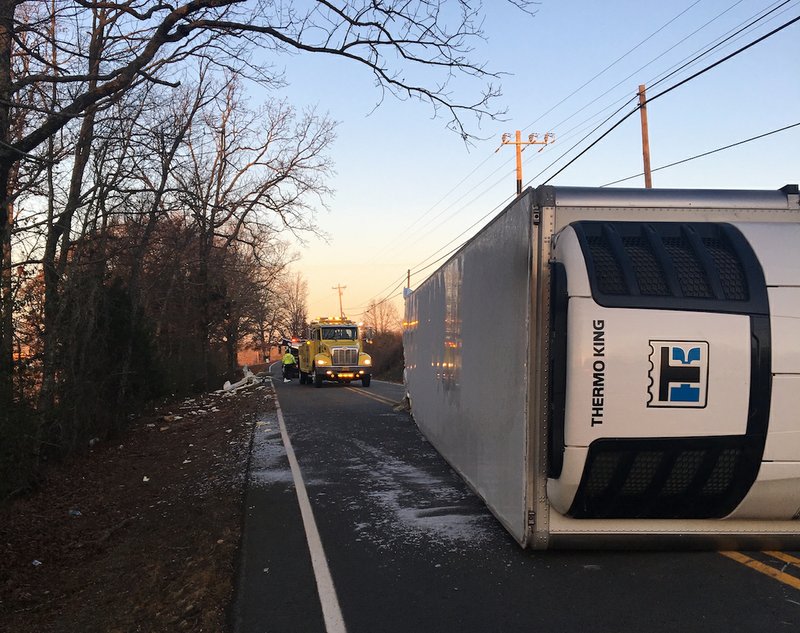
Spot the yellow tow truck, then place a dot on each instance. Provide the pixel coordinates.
(334, 352)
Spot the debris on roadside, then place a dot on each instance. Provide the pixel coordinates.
(249, 379)
(73, 534)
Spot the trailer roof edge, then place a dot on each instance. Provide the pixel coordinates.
(784, 198)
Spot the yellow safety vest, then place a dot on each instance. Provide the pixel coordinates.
(288, 359)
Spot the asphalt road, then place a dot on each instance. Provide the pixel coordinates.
(409, 548)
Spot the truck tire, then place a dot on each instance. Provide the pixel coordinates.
(302, 377)
(365, 381)
(317, 380)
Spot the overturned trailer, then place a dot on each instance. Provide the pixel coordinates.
(620, 367)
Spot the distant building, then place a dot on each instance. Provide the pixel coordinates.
(248, 356)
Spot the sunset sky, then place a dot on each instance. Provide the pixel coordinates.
(408, 191)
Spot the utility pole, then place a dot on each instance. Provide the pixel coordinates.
(533, 139)
(648, 178)
(340, 287)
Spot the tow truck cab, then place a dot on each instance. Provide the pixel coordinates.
(334, 352)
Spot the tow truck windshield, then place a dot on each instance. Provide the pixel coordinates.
(339, 333)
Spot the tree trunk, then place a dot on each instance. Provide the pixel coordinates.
(6, 297)
(59, 231)
(7, 161)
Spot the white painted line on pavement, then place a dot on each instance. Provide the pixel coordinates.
(331, 612)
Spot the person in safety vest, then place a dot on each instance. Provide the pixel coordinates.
(288, 365)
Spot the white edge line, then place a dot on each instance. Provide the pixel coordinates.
(331, 612)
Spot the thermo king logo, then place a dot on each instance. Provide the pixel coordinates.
(678, 374)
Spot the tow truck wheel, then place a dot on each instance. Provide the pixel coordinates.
(365, 381)
(302, 377)
(317, 380)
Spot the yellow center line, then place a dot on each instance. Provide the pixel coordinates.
(375, 397)
(786, 579)
(786, 558)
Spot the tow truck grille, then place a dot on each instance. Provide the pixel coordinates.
(345, 356)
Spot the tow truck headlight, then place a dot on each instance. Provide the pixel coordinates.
(368, 361)
(322, 361)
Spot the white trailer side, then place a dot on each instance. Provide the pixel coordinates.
(485, 385)
(467, 329)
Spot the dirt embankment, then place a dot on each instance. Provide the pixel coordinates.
(139, 534)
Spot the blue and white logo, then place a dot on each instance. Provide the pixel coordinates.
(678, 374)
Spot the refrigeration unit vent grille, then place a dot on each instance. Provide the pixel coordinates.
(649, 273)
(663, 478)
(607, 268)
(689, 265)
(730, 269)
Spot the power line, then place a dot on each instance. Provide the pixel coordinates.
(370, 304)
(683, 66)
(438, 215)
(608, 132)
(566, 135)
(430, 220)
(685, 160)
(611, 116)
(442, 199)
(675, 68)
(635, 72)
(436, 261)
(414, 272)
(726, 58)
(679, 162)
(465, 194)
(471, 226)
(418, 268)
(394, 285)
(713, 151)
(612, 64)
(720, 43)
(670, 89)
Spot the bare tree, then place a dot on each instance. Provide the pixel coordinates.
(382, 317)
(294, 299)
(385, 344)
(412, 47)
(265, 310)
(248, 170)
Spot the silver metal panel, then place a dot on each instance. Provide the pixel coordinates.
(571, 204)
(467, 367)
(538, 409)
(567, 533)
(567, 215)
(625, 198)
